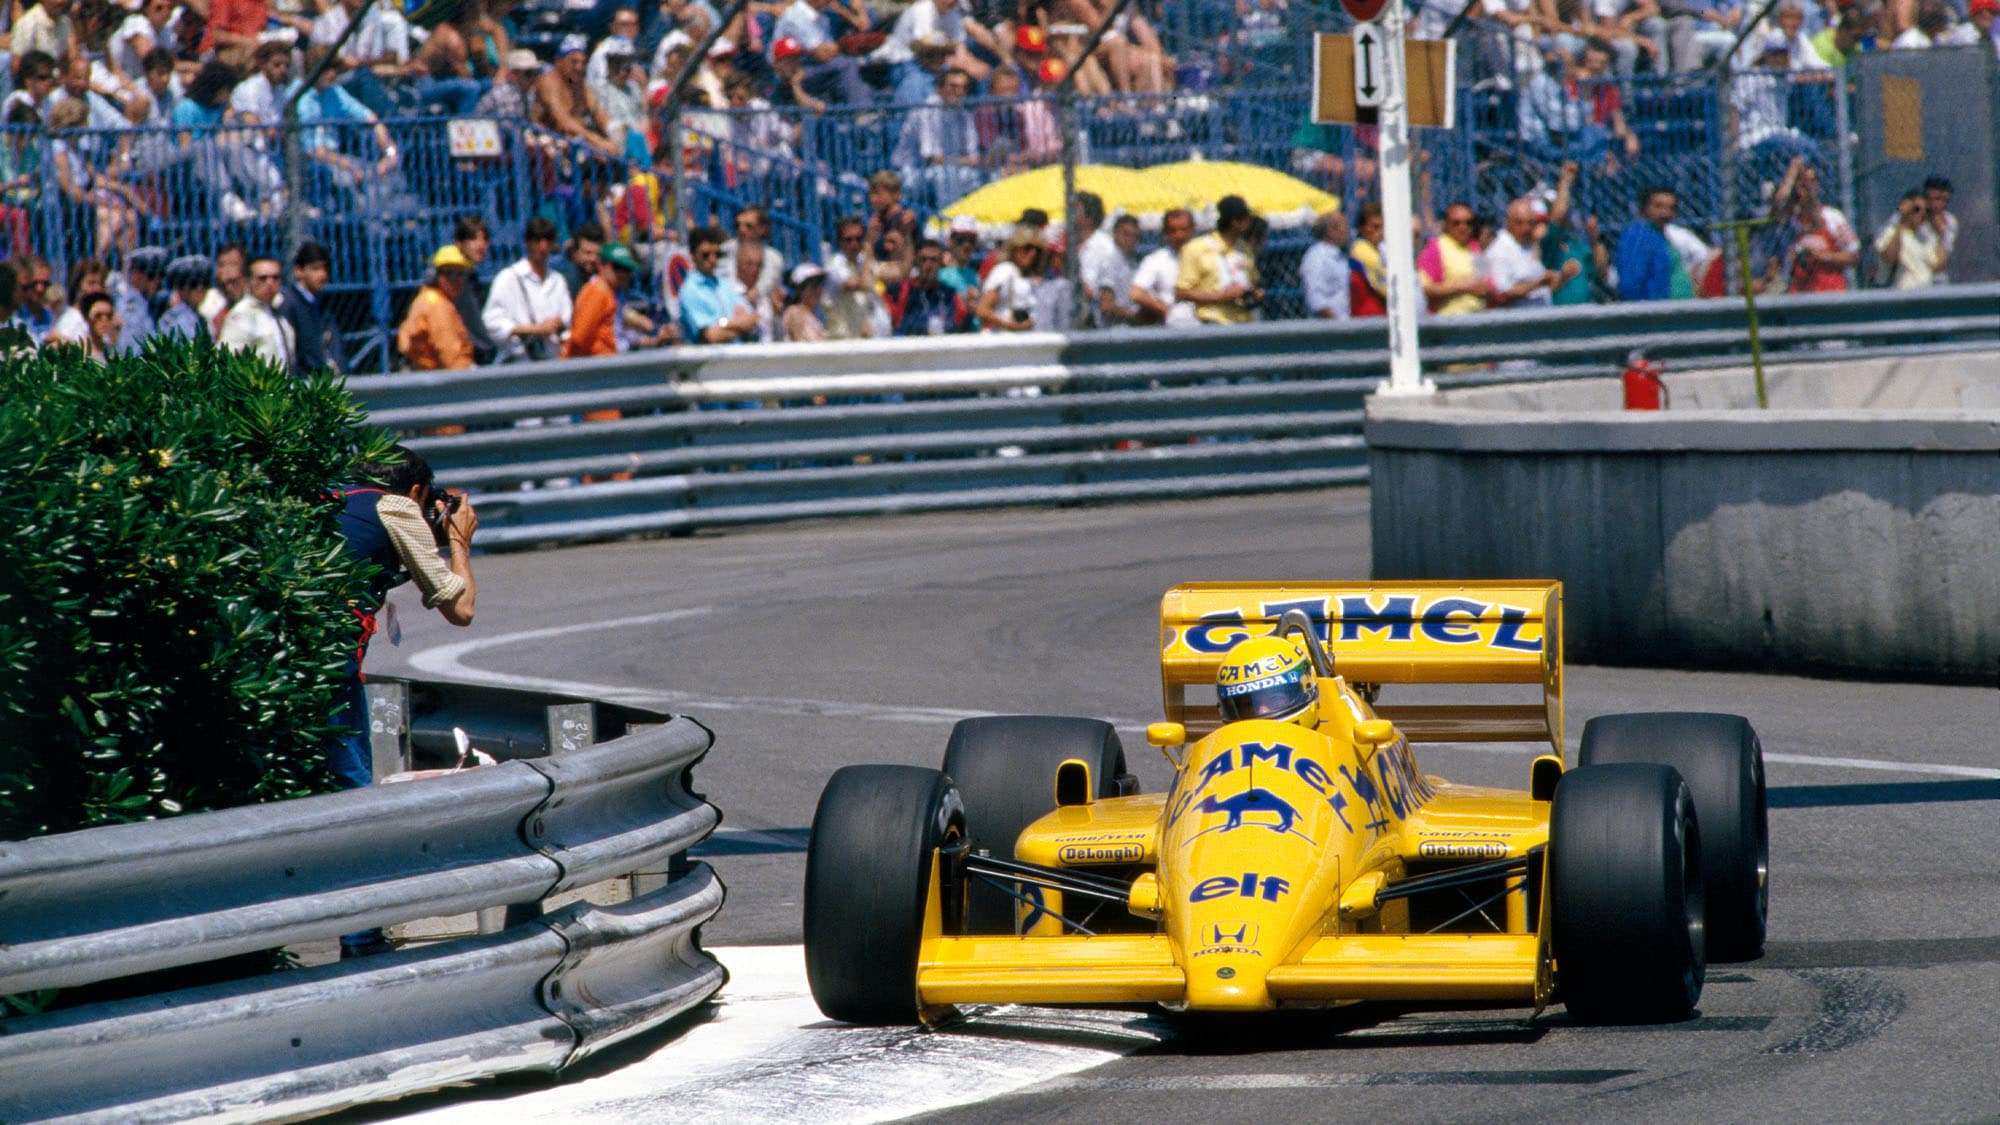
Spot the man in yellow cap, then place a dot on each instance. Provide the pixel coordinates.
(433, 336)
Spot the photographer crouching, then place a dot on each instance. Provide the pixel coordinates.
(413, 532)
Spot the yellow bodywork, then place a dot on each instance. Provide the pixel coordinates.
(1262, 864)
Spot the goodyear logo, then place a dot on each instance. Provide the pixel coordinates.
(1101, 853)
(1471, 849)
(1394, 618)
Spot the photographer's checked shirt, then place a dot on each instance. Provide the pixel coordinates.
(414, 544)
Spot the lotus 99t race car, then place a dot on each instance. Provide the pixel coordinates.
(1301, 856)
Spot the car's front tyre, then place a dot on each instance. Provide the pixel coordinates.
(868, 868)
(1626, 909)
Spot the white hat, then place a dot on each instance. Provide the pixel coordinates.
(520, 58)
(805, 272)
(723, 48)
(964, 224)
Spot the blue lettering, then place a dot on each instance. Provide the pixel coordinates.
(1222, 886)
(1216, 767)
(1509, 636)
(1438, 626)
(1357, 615)
(1270, 888)
(1315, 610)
(1253, 752)
(1218, 632)
(1312, 773)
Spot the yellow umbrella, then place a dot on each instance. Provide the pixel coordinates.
(1283, 200)
(998, 205)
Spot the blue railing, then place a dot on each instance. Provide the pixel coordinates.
(1720, 143)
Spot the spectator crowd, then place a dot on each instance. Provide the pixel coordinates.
(104, 95)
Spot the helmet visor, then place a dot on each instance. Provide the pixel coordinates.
(1285, 693)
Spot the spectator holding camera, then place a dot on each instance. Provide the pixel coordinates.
(1907, 249)
(411, 531)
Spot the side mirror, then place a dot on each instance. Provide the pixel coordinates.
(1375, 733)
(1164, 735)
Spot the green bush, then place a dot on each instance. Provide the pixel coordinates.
(174, 600)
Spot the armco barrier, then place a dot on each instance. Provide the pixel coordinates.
(725, 435)
(105, 903)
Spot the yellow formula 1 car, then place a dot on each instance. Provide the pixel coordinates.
(1301, 857)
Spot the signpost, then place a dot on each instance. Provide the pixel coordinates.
(1377, 77)
(1368, 74)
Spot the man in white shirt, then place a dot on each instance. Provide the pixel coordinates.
(1109, 259)
(753, 231)
(142, 31)
(45, 27)
(260, 98)
(1153, 282)
(254, 324)
(528, 308)
(1324, 270)
(1514, 261)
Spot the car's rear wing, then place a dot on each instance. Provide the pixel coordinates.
(1384, 633)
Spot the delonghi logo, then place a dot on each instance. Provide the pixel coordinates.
(1110, 853)
(1485, 849)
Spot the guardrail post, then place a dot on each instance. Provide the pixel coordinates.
(571, 726)
(389, 726)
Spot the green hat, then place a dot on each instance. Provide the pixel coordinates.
(617, 254)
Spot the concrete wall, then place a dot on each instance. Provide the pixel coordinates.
(1862, 541)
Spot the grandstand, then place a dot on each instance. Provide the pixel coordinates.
(1239, 91)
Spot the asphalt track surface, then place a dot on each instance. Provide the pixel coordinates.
(815, 645)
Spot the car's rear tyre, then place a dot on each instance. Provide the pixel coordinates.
(1626, 919)
(1005, 769)
(868, 872)
(1723, 764)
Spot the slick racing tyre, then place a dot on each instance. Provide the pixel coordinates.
(1625, 890)
(1005, 769)
(1720, 759)
(868, 873)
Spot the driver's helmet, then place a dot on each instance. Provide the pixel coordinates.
(1268, 678)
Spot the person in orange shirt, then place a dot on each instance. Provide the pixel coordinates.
(593, 326)
(433, 336)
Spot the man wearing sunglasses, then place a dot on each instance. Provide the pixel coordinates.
(34, 317)
(713, 310)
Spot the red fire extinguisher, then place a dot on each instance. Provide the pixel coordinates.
(1644, 390)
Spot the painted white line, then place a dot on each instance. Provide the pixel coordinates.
(450, 661)
(769, 1056)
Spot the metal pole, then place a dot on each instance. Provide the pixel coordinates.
(1741, 229)
(1399, 259)
(1844, 146)
(1066, 116)
(1743, 32)
(295, 210)
(689, 66)
(1072, 253)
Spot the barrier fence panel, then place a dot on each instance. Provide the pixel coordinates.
(102, 904)
(715, 436)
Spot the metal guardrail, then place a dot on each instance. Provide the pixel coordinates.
(727, 435)
(106, 903)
